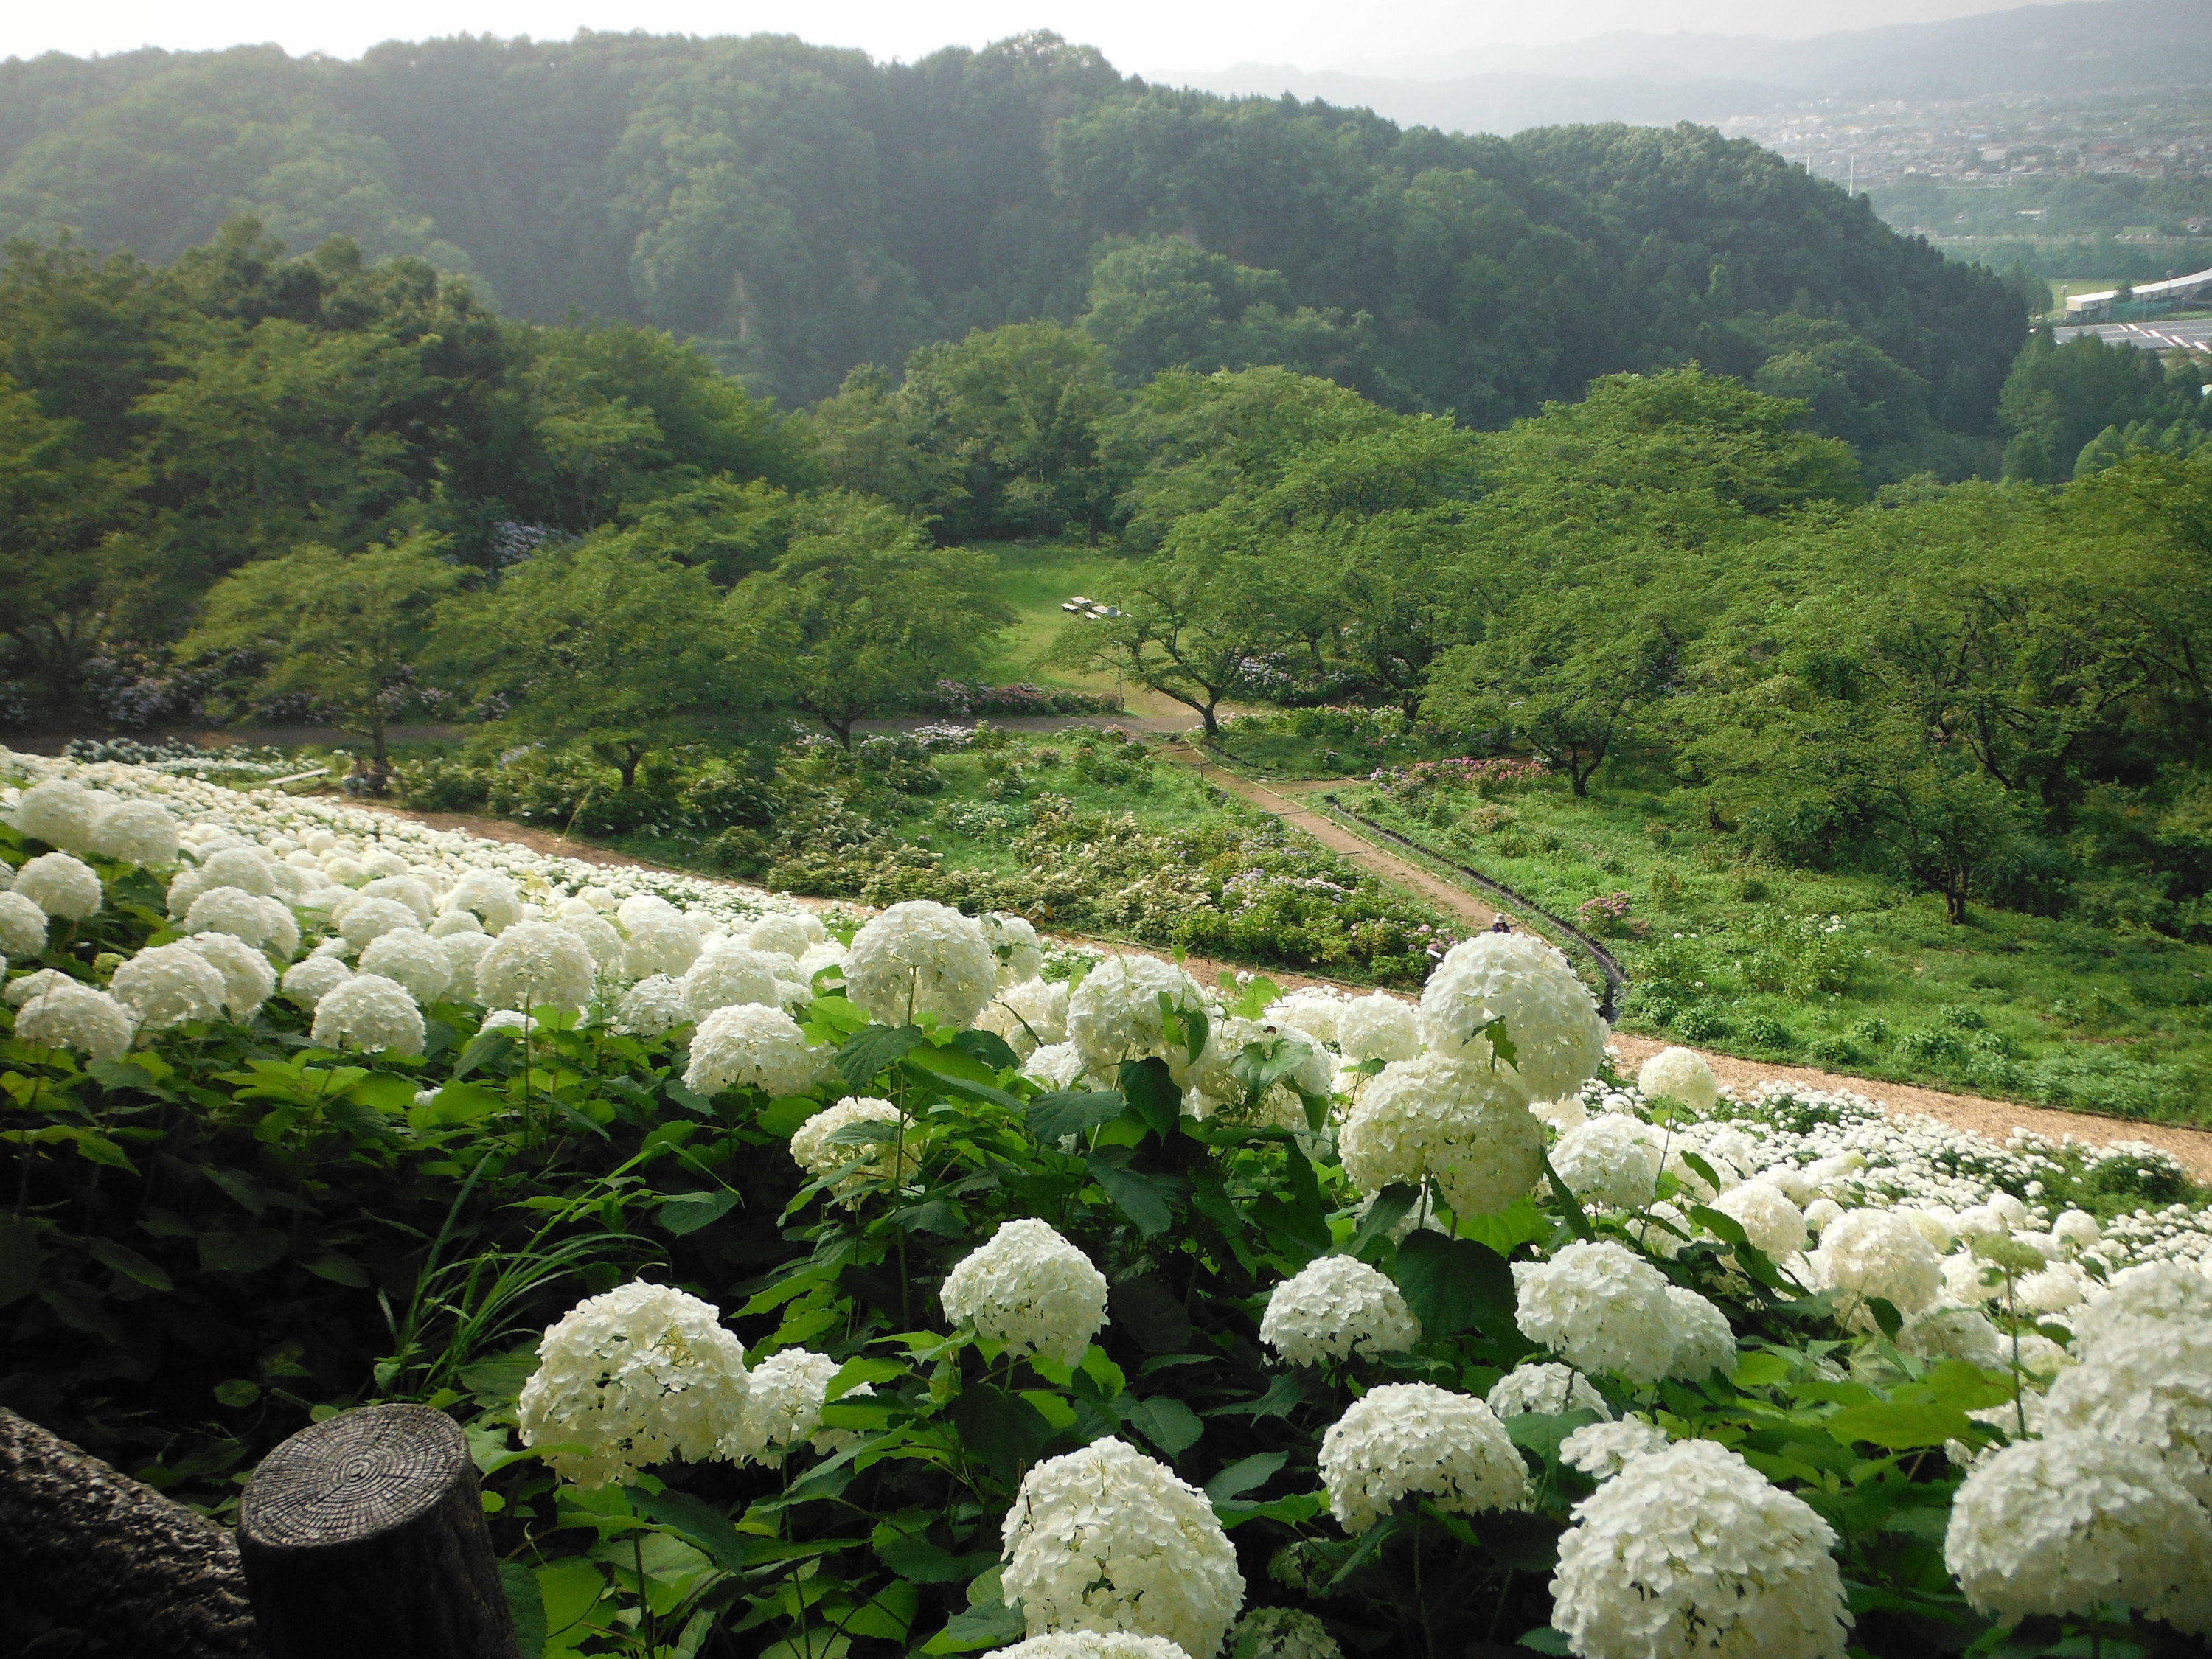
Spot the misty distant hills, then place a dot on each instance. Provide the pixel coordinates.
(2088, 46)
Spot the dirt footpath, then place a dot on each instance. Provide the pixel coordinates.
(1995, 1119)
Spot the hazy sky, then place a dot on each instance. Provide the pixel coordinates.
(1139, 35)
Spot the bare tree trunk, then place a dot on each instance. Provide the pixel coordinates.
(363, 1537)
(106, 1554)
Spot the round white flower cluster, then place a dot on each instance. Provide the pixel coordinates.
(1408, 1437)
(1544, 1387)
(1091, 1644)
(920, 958)
(1115, 1014)
(1029, 1289)
(75, 1017)
(813, 1150)
(1030, 1015)
(636, 1377)
(1549, 1016)
(1600, 1306)
(1688, 1550)
(752, 1047)
(1106, 1540)
(1681, 1075)
(1601, 1451)
(784, 1396)
(1464, 1124)
(1335, 1306)
(1283, 1633)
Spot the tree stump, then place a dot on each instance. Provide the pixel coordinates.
(362, 1538)
(109, 1555)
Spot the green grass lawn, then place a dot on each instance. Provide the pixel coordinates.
(1034, 579)
(1853, 972)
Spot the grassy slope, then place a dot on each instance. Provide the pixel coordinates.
(2030, 1005)
(1035, 577)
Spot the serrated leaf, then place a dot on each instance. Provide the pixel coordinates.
(1167, 1423)
(485, 1049)
(1391, 1206)
(1147, 1199)
(1453, 1284)
(687, 1212)
(1247, 1475)
(131, 1264)
(1070, 1112)
(866, 1054)
(1150, 1089)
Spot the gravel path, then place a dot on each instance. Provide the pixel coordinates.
(1995, 1119)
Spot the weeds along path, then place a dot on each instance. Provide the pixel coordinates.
(1995, 1119)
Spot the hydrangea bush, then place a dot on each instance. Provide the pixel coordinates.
(793, 1307)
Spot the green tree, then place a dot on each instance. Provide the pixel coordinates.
(1193, 623)
(1018, 410)
(348, 631)
(601, 643)
(861, 614)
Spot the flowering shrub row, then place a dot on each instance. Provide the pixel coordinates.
(863, 1291)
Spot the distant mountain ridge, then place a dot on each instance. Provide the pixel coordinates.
(2085, 45)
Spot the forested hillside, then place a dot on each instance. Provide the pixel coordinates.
(798, 210)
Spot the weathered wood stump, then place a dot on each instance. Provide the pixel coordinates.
(363, 1538)
(109, 1555)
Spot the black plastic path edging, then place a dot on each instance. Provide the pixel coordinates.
(1616, 978)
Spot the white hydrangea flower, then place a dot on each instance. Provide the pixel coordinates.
(1878, 1253)
(1703, 1341)
(448, 923)
(307, 983)
(638, 1375)
(1689, 1551)
(2148, 1384)
(230, 910)
(2057, 1288)
(1106, 1539)
(1407, 1437)
(1564, 1115)
(607, 946)
(1015, 947)
(1680, 1075)
(507, 1019)
(1318, 1011)
(247, 978)
(815, 957)
(167, 985)
(751, 1047)
(21, 991)
(653, 1006)
(1544, 1386)
(1091, 1644)
(1601, 1451)
(2069, 1522)
(467, 951)
(2151, 1293)
(488, 895)
(1056, 1064)
(811, 1149)
(1550, 1017)
(1947, 1331)
(1029, 1016)
(135, 831)
(76, 1017)
(784, 1401)
(1775, 1226)
(1029, 1289)
(1600, 1306)
(1820, 1212)
(1377, 1026)
(1211, 1085)
(1464, 1124)
(58, 811)
(22, 927)
(725, 976)
(369, 1012)
(60, 885)
(366, 918)
(920, 957)
(787, 932)
(1282, 1633)
(2077, 1230)
(409, 890)
(1611, 1161)
(1114, 1015)
(282, 940)
(663, 941)
(246, 868)
(414, 958)
(1335, 1306)
(534, 964)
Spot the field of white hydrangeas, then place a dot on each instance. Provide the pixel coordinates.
(818, 1287)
